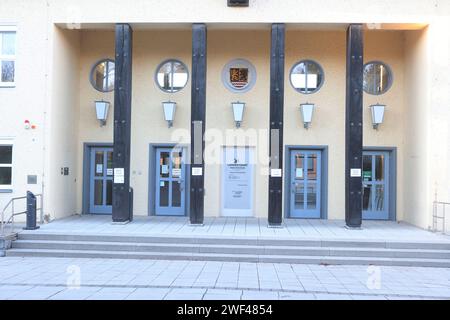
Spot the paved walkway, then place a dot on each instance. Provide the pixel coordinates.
(64, 278)
(242, 227)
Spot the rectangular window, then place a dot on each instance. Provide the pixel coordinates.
(7, 56)
(5, 165)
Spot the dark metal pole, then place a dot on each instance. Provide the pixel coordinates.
(276, 123)
(198, 117)
(31, 212)
(122, 197)
(353, 126)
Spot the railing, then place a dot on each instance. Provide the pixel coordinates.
(439, 215)
(5, 220)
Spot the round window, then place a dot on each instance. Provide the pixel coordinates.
(102, 75)
(307, 76)
(377, 78)
(171, 76)
(239, 75)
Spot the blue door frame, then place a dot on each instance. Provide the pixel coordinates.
(376, 185)
(100, 180)
(305, 185)
(170, 182)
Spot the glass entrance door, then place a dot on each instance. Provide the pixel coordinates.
(375, 185)
(305, 184)
(237, 181)
(170, 182)
(101, 180)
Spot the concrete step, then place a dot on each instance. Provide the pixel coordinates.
(231, 249)
(235, 240)
(442, 263)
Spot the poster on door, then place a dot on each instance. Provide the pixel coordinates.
(237, 193)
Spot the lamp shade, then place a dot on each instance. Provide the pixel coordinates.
(101, 110)
(169, 111)
(307, 110)
(238, 112)
(377, 111)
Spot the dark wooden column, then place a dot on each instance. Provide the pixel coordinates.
(276, 124)
(122, 195)
(198, 113)
(353, 126)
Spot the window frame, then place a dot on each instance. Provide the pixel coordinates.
(306, 61)
(8, 187)
(172, 61)
(390, 77)
(5, 29)
(94, 66)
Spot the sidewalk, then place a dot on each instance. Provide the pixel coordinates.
(64, 278)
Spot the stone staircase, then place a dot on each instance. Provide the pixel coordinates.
(244, 249)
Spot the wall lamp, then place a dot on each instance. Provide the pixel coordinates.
(169, 112)
(307, 110)
(377, 111)
(238, 112)
(102, 109)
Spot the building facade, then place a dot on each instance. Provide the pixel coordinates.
(274, 110)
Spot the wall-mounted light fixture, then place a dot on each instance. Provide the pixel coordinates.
(307, 110)
(169, 108)
(101, 109)
(238, 112)
(377, 111)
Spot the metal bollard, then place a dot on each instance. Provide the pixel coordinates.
(131, 204)
(31, 212)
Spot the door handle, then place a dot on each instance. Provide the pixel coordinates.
(181, 184)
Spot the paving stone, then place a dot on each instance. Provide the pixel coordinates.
(148, 294)
(296, 296)
(323, 296)
(259, 295)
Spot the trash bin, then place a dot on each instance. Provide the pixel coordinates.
(31, 212)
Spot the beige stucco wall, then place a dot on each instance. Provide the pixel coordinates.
(417, 117)
(328, 127)
(63, 124)
(388, 47)
(149, 50)
(27, 100)
(427, 122)
(439, 118)
(415, 168)
(94, 46)
(260, 11)
(224, 46)
(327, 48)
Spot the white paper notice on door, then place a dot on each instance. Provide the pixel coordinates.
(275, 172)
(164, 169)
(99, 169)
(176, 173)
(299, 172)
(197, 171)
(119, 175)
(355, 172)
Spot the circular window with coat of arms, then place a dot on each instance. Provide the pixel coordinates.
(239, 75)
